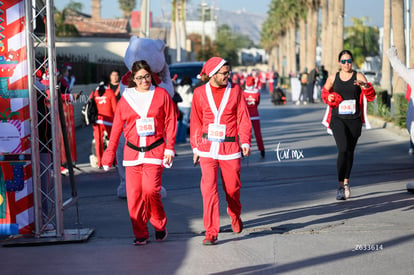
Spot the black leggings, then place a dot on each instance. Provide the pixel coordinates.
(346, 133)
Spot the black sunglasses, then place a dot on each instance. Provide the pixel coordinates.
(344, 61)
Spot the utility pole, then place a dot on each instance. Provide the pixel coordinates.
(145, 17)
(203, 35)
(178, 29)
(407, 34)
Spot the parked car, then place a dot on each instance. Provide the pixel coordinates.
(373, 77)
(192, 69)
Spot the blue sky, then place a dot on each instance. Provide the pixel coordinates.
(353, 8)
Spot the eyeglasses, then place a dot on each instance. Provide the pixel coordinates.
(344, 61)
(140, 78)
(225, 73)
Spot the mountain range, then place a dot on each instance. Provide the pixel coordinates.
(241, 21)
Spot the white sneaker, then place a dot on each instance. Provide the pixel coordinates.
(347, 191)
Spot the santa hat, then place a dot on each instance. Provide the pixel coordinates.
(39, 74)
(45, 76)
(249, 81)
(212, 66)
(68, 65)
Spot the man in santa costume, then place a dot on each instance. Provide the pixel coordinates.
(252, 96)
(220, 130)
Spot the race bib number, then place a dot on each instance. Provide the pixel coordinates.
(216, 132)
(145, 126)
(347, 107)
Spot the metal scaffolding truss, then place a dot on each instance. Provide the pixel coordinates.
(43, 39)
(48, 199)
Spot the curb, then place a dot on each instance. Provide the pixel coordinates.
(378, 122)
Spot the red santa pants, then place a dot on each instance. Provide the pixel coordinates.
(230, 176)
(143, 184)
(270, 87)
(258, 134)
(98, 134)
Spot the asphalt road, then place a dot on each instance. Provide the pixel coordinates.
(292, 221)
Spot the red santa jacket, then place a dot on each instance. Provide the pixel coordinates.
(232, 113)
(270, 76)
(106, 105)
(161, 109)
(252, 97)
(366, 95)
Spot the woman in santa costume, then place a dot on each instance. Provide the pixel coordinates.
(346, 94)
(252, 97)
(106, 104)
(146, 115)
(219, 123)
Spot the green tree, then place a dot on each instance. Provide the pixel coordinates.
(227, 44)
(63, 29)
(209, 48)
(361, 39)
(127, 6)
(278, 33)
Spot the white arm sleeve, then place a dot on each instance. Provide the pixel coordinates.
(399, 67)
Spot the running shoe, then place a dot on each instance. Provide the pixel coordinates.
(141, 241)
(210, 240)
(161, 235)
(340, 195)
(347, 191)
(237, 225)
(262, 154)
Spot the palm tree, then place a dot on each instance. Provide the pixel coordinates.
(302, 45)
(412, 36)
(302, 19)
(324, 29)
(386, 44)
(279, 32)
(397, 11)
(183, 30)
(127, 6)
(271, 34)
(339, 30)
(312, 32)
(336, 10)
(173, 31)
(292, 47)
(328, 49)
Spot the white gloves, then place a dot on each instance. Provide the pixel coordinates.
(392, 52)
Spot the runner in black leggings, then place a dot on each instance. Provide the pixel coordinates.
(345, 92)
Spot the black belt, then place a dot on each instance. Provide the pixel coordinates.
(226, 138)
(146, 148)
